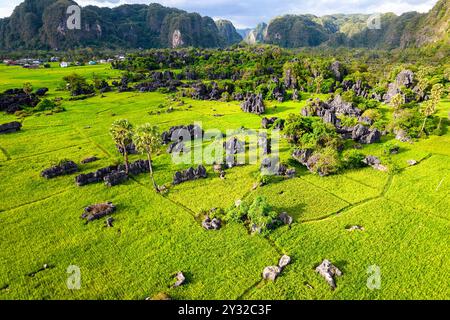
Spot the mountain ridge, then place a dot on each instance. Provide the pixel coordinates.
(41, 24)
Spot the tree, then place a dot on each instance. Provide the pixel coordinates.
(147, 139)
(429, 106)
(122, 134)
(397, 101)
(27, 88)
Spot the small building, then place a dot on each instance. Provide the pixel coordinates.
(64, 64)
(92, 63)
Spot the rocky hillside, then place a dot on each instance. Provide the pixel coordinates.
(407, 30)
(41, 24)
(228, 32)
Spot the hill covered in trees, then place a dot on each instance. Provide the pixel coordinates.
(410, 29)
(41, 24)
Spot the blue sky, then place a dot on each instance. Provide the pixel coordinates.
(249, 13)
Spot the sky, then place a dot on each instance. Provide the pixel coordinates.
(247, 14)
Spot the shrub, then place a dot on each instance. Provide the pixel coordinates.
(352, 159)
(325, 161)
(261, 215)
(45, 105)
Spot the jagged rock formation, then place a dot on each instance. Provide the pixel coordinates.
(13, 100)
(89, 160)
(405, 79)
(189, 175)
(329, 271)
(112, 175)
(228, 32)
(63, 168)
(375, 163)
(10, 127)
(257, 35)
(177, 133)
(98, 211)
(164, 79)
(211, 224)
(329, 112)
(253, 103)
(274, 122)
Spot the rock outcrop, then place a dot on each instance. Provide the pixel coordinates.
(253, 103)
(13, 100)
(10, 127)
(177, 133)
(112, 175)
(98, 211)
(63, 168)
(189, 175)
(327, 270)
(211, 224)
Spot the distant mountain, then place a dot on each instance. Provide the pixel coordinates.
(410, 29)
(244, 32)
(257, 35)
(41, 24)
(228, 32)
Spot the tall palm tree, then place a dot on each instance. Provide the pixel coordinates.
(429, 106)
(122, 134)
(147, 140)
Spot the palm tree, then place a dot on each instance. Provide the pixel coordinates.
(122, 134)
(147, 139)
(429, 106)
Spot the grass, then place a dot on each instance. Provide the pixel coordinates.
(405, 216)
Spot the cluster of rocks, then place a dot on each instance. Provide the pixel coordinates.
(274, 123)
(176, 133)
(375, 163)
(329, 271)
(275, 167)
(130, 148)
(405, 79)
(361, 134)
(211, 224)
(10, 127)
(189, 175)
(89, 160)
(359, 88)
(253, 103)
(202, 91)
(13, 100)
(264, 143)
(306, 157)
(63, 168)
(278, 92)
(113, 175)
(233, 147)
(164, 79)
(272, 272)
(98, 211)
(329, 112)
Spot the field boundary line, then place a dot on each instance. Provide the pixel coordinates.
(325, 190)
(36, 201)
(3, 150)
(93, 142)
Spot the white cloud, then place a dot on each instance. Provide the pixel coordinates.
(250, 12)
